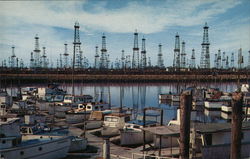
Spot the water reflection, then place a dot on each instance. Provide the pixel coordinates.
(136, 95)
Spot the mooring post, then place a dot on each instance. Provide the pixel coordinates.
(185, 111)
(237, 102)
(161, 122)
(106, 148)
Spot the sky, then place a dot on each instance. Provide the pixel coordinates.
(157, 20)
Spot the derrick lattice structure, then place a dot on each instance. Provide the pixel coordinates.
(123, 60)
(223, 60)
(97, 58)
(205, 54)
(193, 65)
(103, 60)
(44, 58)
(227, 63)
(37, 53)
(135, 60)
(219, 60)
(176, 61)
(160, 63)
(143, 54)
(183, 55)
(149, 62)
(232, 60)
(66, 56)
(13, 58)
(128, 62)
(77, 55)
(240, 59)
(31, 60)
(215, 60)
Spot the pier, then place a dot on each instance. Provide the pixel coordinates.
(152, 75)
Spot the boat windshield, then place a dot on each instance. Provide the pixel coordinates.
(111, 119)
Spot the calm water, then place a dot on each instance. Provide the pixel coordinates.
(137, 95)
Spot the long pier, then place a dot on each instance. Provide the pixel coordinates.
(124, 75)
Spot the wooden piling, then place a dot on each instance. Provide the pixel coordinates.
(106, 148)
(237, 102)
(185, 112)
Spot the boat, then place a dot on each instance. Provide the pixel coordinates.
(15, 145)
(132, 133)
(113, 123)
(83, 111)
(213, 104)
(170, 97)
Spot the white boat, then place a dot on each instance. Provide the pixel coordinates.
(113, 123)
(14, 145)
(213, 104)
(132, 133)
(226, 109)
(79, 114)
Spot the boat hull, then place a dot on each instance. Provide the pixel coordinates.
(132, 137)
(73, 118)
(53, 149)
(110, 131)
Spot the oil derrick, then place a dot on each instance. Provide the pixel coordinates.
(143, 54)
(215, 61)
(13, 58)
(103, 53)
(117, 64)
(149, 62)
(17, 63)
(248, 59)
(123, 60)
(85, 62)
(44, 58)
(227, 63)
(176, 62)
(21, 63)
(160, 59)
(135, 60)
(183, 55)
(128, 62)
(232, 60)
(37, 53)
(223, 60)
(240, 59)
(60, 61)
(77, 55)
(205, 55)
(107, 62)
(31, 60)
(219, 59)
(66, 55)
(193, 65)
(96, 65)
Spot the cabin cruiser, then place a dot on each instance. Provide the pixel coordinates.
(15, 145)
(132, 133)
(113, 123)
(83, 111)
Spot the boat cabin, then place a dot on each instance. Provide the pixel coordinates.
(116, 120)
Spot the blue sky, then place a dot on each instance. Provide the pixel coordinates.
(156, 20)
